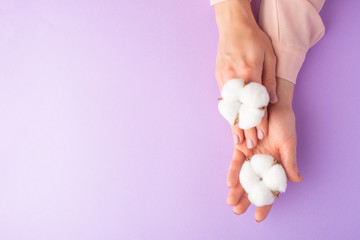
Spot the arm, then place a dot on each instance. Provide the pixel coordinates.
(244, 51)
(294, 26)
(280, 143)
(213, 2)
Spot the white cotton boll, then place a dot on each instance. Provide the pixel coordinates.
(260, 195)
(229, 110)
(232, 88)
(249, 117)
(261, 179)
(261, 163)
(252, 98)
(247, 177)
(255, 95)
(275, 178)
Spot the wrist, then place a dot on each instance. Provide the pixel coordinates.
(234, 13)
(285, 92)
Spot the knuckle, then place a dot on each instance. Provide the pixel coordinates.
(226, 70)
(293, 165)
(247, 71)
(229, 71)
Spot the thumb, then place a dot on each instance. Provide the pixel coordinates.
(288, 160)
(269, 76)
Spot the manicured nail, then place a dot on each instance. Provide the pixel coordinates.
(302, 178)
(260, 134)
(249, 143)
(236, 139)
(273, 96)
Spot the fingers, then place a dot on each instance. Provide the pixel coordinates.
(288, 158)
(242, 205)
(238, 135)
(269, 75)
(235, 194)
(251, 137)
(262, 212)
(248, 153)
(262, 128)
(234, 169)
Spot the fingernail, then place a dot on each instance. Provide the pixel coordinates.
(260, 134)
(249, 143)
(273, 96)
(302, 178)
(257, 220)
(236, 139)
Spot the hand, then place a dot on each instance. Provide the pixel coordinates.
(280, 143)
(244, 51)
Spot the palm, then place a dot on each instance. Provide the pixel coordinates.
(281, 138)
(280, 143)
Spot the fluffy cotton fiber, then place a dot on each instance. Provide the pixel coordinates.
(232, 88)
(249, 117)
(244, 103)
(229, 110)
(254, 95)
(262, 178)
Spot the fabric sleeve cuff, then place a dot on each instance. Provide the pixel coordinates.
(213, 2)
(289, 60)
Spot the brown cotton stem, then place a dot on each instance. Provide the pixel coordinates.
(276, 194)
(236, 120)
(275, 162)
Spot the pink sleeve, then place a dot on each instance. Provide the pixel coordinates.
(213, 2)
(293, 26)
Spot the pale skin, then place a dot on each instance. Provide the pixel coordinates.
(280, 143)
(245, 51)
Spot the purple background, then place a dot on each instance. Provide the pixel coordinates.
(109, 126)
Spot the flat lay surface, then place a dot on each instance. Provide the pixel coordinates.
(109, 126)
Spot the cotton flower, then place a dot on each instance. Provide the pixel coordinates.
(262, 179)
(243, 104)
